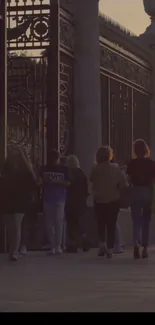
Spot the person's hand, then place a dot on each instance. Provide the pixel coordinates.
(39, 182)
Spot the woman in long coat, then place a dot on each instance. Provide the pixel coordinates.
(18, 182)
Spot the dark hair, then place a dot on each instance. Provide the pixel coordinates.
(141, 149)
(18, 156)
(103, 154)
(54, 156)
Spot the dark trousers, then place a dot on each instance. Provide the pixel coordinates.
(72, 228)
(106, 215)
(141, 214)
(28, 229)
(75, 219)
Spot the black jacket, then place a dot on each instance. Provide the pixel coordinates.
(17, 191)
(77, 191)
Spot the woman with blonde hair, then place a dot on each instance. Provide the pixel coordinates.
(107, 182)
(19, 182)
(141, 173)
(75, 208)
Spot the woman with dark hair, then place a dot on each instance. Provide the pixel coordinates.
(19, 182)
(141, 172)
(76, 204)
(107, 181)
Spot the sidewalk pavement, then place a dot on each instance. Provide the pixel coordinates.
(80, 282)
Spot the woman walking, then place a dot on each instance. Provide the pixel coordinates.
(107, 182)
(75, 208)
(19, 183)
(141, 172)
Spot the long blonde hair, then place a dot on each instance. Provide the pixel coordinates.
(73, 161)
(140, 149)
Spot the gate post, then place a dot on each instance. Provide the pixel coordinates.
(87, 121)
(53, 80)
(3, 81)
(3, 106)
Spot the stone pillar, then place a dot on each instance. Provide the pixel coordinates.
(87, 123)
(3, 107)
(3, 82)
(53, 80)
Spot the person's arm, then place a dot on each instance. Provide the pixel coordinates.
(129, 172)
(123, 182)
(91, 177)
(40, 177)
(64, 183)
(67, 177)
(28, 163)
(86, 187)
(91, 180)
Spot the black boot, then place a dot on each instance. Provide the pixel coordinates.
(145, 252)
(136, 253)
(85, 244)
(72, 249)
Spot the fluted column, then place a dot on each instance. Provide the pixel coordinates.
(87, 123)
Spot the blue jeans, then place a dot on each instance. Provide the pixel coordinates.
(14, 231)
(141, 214)
(63, 243)
(118, 244)
(54, 217)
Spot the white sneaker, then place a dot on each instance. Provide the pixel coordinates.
(23, 250)
(14, 257)
(109, 253)
(58, 251)
(51, 252)
(102, 249)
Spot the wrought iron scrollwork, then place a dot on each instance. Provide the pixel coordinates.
(126, 68)
(20, 101)
(65, 108)
(28, 24)
(16, 32)
(27, 103)
(19, 124)
(67, 35)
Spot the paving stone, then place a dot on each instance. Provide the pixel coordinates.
(77, 283)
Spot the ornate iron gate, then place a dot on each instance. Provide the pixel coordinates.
(27, 38)
(33, 104)
(126, 89)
